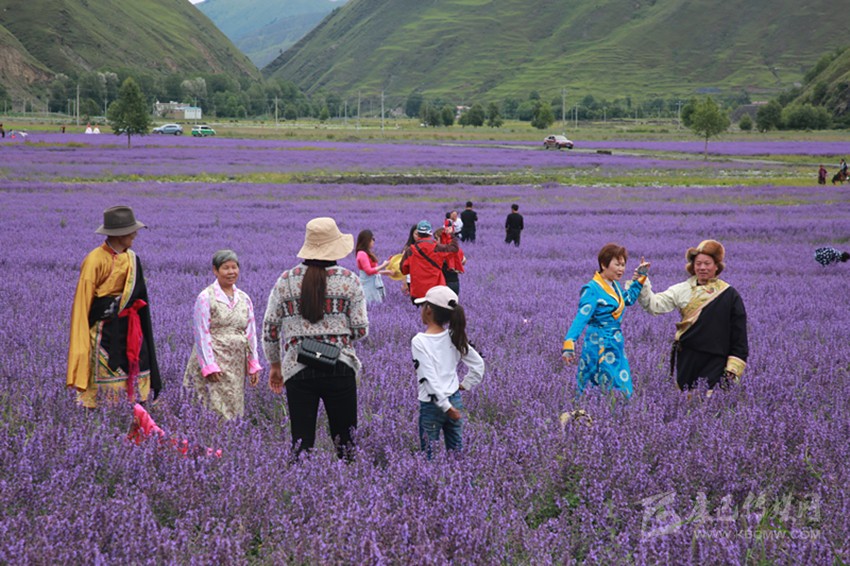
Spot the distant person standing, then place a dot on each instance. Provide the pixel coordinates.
(842, 168)
(2, 131)
(469, 217)
(457, 222)
(513, 226)
(822, 175)
(423, 260)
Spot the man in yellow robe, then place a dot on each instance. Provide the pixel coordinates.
(111, 345)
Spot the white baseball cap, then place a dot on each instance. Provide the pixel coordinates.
(440, 296)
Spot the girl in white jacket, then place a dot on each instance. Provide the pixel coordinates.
(436, 353)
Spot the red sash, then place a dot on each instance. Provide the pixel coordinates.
(134, 342)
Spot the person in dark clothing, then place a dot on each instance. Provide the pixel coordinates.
(711, 339)
(822, 175)
(513, 226)
(469, 217)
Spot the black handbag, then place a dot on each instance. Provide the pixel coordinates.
(319, 355)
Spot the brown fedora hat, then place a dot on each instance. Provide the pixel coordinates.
(324, 241)
(119, 221)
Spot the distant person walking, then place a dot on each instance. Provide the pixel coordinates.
(436, 354)
(469, 217)
(453, 264)
(513, 226)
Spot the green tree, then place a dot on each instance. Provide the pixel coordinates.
(475, 116)
(769, 116)
(708, 120)
(805, 117)
(413, 104)
(745, 123)
(129, 114)
(324, 114)
(543, 116)
(447, 115)
(494, 118)
(687, 112)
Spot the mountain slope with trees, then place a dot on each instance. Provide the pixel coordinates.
(493, 49)
(828, 85)
(157, 36)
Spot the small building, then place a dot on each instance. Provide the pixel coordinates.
(177, 111)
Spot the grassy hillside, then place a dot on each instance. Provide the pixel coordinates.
(158, 35)
(18, 68)
(829, 84)
(490, 49)
(263, 29)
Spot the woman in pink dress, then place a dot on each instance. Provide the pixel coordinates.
(370, 269)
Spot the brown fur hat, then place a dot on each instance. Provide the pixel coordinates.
(708, 247)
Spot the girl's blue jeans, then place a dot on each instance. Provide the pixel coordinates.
(432, 420)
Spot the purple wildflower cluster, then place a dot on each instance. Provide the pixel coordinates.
(757, 474)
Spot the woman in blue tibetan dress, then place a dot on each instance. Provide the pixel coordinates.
(603, 361)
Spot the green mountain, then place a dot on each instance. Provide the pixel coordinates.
(263, 29)
(828, 85)
(18, 68)
(491, 49)
(160, 36)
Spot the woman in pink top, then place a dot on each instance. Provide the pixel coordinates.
(225, 345)
(370, 270)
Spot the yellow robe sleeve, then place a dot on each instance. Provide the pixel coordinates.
(79, 350)
(103, 273)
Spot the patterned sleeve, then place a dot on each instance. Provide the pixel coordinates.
(586, 307)
(201, 332)
(271, 324)
(358, 318)
(633, 289)
(251, 334)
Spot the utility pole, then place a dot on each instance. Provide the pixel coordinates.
(358, 109)
(382, 112)
(564, 109)
(679, 115)
(575, 127)
(275, 111)
(77, 107)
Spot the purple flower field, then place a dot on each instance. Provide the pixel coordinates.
(49, 156)
(755, 475)
(718, 147)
